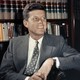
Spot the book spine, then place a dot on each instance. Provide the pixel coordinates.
(10, 31)
(58, 9)
(64, 9)
(56, 29)
(12, 10)
(5, 32)
(55, 9)
(6, 11)
(1, 32)
(1, 11)
(38, 1)
(48, 9)
(49, 29)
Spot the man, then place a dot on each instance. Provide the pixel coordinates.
(52, 49)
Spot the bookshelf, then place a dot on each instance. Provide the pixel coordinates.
(58, 12)
(77, 24)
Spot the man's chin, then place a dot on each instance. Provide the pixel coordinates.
(40, 34)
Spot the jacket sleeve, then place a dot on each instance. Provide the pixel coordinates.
(70, 58)
(7, 68)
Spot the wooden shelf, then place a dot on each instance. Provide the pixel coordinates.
(58, 21)
(11, 20)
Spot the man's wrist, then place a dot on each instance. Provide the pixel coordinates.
(51, 61)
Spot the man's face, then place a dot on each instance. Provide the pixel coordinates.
(36, 23)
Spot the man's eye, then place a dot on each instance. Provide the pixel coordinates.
(44, 17)
(36, 19)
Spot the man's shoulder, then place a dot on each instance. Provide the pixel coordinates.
(19, 39)
(51, 36)
(54, 40)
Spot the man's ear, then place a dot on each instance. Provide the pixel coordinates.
(25, 23)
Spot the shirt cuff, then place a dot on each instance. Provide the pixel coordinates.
(27, 78)
(57, 62)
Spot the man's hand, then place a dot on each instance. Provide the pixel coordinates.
(37, 76)
(46, 67)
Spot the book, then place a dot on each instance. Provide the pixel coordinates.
(10, 30)
(32, 1)
(58, 9)
(12, 10)
(56, 29)
(64, 9)
(1, 32)
(6, 11)
(52, 10)
(38, 1)
(48, 9)
(1, 11)
(55, 9)
(5, 32)
(49, 29)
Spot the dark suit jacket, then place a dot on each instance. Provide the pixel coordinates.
(15, 58)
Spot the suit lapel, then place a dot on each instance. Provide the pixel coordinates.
(26, 45)
(23, 49)
(25, 54)
(45, 50)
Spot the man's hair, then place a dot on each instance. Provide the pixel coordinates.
(31, 7)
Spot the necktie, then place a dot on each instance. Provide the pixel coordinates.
(30, 69)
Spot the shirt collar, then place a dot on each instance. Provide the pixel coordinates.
(39, 40)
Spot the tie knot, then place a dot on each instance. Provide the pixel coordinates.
(37, 42)
(36, 46)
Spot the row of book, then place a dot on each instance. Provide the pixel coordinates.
(55, 9)
(10, 30)
(58, 29)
